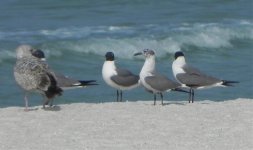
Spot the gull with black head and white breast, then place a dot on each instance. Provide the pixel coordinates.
(193, 78)
(118, 78)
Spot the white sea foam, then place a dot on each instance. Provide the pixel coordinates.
(125, 40)
(83, 32)
(123, 48)
(160, 38)
(201, 36)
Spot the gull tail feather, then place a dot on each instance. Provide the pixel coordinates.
(87, 82)
(180, 90)
(229, 83)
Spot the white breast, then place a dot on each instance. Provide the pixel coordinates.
(177, 66)
(108, 71)
(147, 70)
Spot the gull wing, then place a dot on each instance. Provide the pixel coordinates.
(125, 77)
(161, 83)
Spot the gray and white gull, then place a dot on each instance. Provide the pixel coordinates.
(153, 81)
(193, 78)
(33, 74)
(118, 78)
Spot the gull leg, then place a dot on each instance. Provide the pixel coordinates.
(190, 95)
(44, 107)
(46, 100)
(26, 102)
(51, 102)
(154, 99)
(120, 95)
(193, 95)
(161, 94)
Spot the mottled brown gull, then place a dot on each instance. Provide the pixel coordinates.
(33, 74)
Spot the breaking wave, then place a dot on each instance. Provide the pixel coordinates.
(125, 40)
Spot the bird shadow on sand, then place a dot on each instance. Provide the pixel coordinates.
(31, 109)
(52, 108)
(167, 103)
(172, 103)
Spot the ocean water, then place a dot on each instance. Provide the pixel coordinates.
(216, 36)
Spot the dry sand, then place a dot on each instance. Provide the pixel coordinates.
(204, 125)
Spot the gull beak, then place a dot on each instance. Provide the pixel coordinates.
(139, 53)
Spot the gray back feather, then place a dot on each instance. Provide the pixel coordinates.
(161, 83)
(123, 72)
(64, 81)
(125, 78)
(191, 70)
(195, 78)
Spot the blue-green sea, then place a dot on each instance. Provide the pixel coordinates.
(216, 37)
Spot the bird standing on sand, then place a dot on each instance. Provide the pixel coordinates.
(151, 80)
(120, 79)
(192, 78)
(33, 74)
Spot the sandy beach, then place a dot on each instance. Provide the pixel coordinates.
(204, 125)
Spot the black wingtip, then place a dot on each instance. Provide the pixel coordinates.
(229, 83)
(180, 90)
(87, 82)
(53, 89)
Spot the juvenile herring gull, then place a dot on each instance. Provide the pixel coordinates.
(34, 75)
